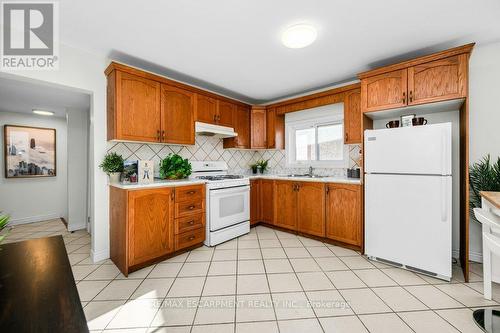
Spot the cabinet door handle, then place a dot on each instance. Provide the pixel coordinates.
(191, 222)
(191, 192)
(404, 98)
(411, 96)
(215, 117)
(191, 207)
(163, 135)
(191, 238)
(346, 136)
(158, 135)
(327, 190)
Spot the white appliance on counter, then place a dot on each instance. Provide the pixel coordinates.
(228, 201)
(408, 198)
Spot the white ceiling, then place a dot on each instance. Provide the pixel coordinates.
(23, 96)
(233, 46)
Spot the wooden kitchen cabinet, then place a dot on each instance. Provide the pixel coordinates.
(206, 109)
(151, 224)
(285, 204)
(258, 136)
(177, 114)
(352, 117)
(134, 110)
(438, 80)
(254, 201)
(241, 122)
(384, 91)
(311, 208)
(343, 213)
(225, 111)
(267, 201)
(275, 129)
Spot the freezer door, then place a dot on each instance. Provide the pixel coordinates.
(409, 150)
(408, 220)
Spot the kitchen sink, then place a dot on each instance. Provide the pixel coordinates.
(303, 176)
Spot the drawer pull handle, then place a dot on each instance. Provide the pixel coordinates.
(191, 222)
(191, 238)
(191, 192)
(191, 207)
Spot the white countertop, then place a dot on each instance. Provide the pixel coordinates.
(160, 183)
(332, 179)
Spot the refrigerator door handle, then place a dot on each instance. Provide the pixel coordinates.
(444, 199)
(443, 153)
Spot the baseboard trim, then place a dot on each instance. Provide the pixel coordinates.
(76, 227)
(99, 255)
(31, 219)
(473, 256)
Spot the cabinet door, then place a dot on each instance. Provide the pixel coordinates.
(241, 120)
(285, 204)
(177, 110)
(438, 80)
(254, 201)
(343, 213)
(267, 200)
(225, 113)
(206, 109)
(258, 137)
(352, 117)
(275, 128)
(150, 223)
(311, 208)
(384, 91)
(138, 114)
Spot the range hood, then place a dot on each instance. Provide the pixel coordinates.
(214, 130)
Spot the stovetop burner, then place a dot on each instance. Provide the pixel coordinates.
(220, 177)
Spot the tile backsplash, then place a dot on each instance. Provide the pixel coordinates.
(210, 148)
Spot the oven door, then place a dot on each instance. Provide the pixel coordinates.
(229, 206)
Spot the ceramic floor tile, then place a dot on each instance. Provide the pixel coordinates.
(196, 256)
(348, 324)
(283, 282)
(178, 259)
(220, 328)
(304, 265)
(357, 262)
(291, 242)
(165, 270)
(252, 284)
(223, 255)
(222, 268)
(135, 313)
(398, 299)
(278, 266)
(297, 252)
(185, 287)
(194, 269)
(309, 242)
(254, 308)
(218, 309)
(251, 267)
(461, 319)
(331, 264)
(100, 313)
(385, 322)
(176, 311)
(404, 277)
(341, 251)
(292, 306)
(248, 254)
(261, 327)
(104, 272)
(364, 301)
(89, 289)
(153, 288)
(479, 287)
(433, 297)
(248, 244)
(118, 289)
(465, 295)
(269, 243)
(426, 321)
(81, 271)
(273, 253)
(300, 325)
(374, 278)
(328, 303)
(220, 285)
(320, 252)
(140, 274)
(345, 279)
(170, 329)
(229, 245)
(314, 281)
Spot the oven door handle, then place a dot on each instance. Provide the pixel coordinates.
(231, 190)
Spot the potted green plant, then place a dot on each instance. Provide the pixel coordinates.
(174, 167)
(483, 176)
(113, 166)
(263, 165)
(255, 168)
(4, 221)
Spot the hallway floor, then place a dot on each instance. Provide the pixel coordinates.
(266, 281)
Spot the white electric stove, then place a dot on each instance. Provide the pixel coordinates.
(228, 201)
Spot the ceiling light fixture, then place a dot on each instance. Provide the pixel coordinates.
(299, 36)
(43, 112)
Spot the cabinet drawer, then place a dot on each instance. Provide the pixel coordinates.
(189, 223)
(189, 238)
(189, 193)
(189, 208)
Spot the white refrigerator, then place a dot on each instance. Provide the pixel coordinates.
(408, 197)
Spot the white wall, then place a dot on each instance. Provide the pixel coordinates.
(84, 72)
(36, 199)
(78, 124)
(484, 122)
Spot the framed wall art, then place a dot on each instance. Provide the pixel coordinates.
(29, 151)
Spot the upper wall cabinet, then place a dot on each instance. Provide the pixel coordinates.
(225, 113)
(133, 108)
(258, 136)
(352, 117)
(177, 114)
(241, 122)
(437, 77)
(275, 127)
(206, 109)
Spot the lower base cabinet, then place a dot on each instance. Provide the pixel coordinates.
(254, 201)
(148, 225)
(285, 204)
(311, 208)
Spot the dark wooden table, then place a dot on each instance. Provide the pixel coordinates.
(37, 289)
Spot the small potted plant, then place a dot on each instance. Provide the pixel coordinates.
(113, 166)
(255, 168)
(174, 167)
(263, 165)
(4, 221)
(483, 176)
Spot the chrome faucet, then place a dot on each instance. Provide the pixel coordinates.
(310, 171)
